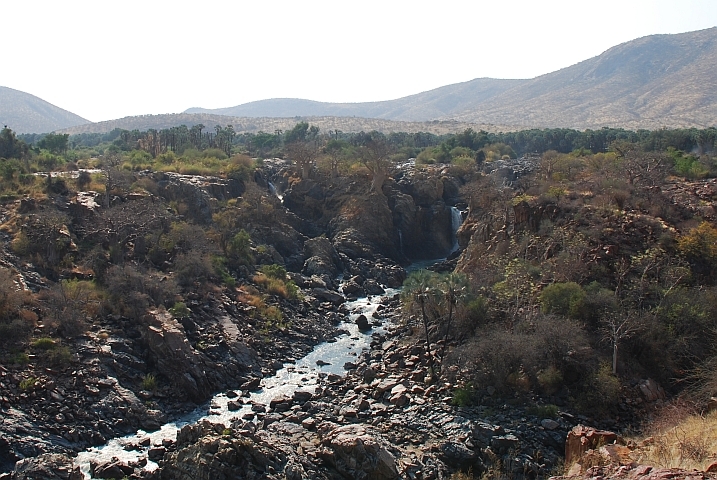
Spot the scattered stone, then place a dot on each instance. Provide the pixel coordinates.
(362, 323)
(549, 424)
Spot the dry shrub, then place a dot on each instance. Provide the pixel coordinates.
(519, 359)
(251, 299)
(16, 322)
(191, 267)
(134, 289)
(273, 286)
(14, 331)
(148, 184)
(70, 302)
(28, 316)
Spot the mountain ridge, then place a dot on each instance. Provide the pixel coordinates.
(26, 113)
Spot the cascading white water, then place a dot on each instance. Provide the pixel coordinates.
(456, 221)
(273, 191)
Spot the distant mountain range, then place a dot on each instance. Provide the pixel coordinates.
(25, 113)
(652, 82)
(435, 104)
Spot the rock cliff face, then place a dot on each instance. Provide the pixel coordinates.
(409, 219)
(198, 192)
(174, 357)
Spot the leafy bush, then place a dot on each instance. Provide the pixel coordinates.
(59, 356)
(180, 310)
(149, 382)
(687, 165)
(550, 380)
(221, 271)
(699, 246)
(600, 392)
(27, 383)
(274, 271)
(463, 397)
(20, 358)
(544, 411)
(44, 343)
(563, 299)
(239, 249)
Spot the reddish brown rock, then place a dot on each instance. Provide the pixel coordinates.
(581, 439)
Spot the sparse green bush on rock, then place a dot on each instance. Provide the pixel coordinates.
(563, 299)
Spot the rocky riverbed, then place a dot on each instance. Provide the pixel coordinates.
(381, 420)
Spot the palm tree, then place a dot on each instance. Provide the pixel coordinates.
(419, 289)
(454, 287)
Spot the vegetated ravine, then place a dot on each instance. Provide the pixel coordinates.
(362, 324)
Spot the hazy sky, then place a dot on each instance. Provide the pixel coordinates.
(104, 60)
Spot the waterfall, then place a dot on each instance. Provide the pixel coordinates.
(273, 191)
(456, 221)
(400, 240)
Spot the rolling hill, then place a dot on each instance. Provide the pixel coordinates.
(422, 107)
(650, 82)
(25, 113)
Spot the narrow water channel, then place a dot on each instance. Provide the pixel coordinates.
(302, 375)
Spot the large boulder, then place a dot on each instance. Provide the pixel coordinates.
(175, 358)
(203, 453)
(357, 454)
(352, 243)
(306, 199)
(47, 467)
(581, 439)
(322, 258)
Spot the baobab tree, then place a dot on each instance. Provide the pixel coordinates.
(303, 154)
(375, 155)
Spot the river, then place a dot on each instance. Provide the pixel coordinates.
(302, 375)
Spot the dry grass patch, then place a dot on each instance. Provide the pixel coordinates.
(680, 439)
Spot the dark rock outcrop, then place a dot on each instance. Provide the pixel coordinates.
(200, 193)
(174, 356)
(51, 466)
